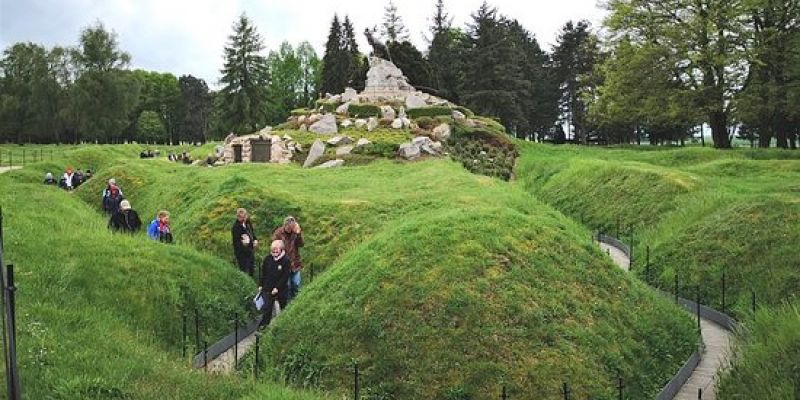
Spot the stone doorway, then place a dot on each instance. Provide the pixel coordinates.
(237, 153)
(260, 151)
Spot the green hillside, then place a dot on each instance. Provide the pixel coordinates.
(705, 214)
(439, 282)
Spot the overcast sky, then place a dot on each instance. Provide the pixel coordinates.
(187, 36)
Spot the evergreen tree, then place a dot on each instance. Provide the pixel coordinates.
(494, 77)
(574, 58)
(392, 28)
(414, 66)
(245, 77)
(445, 55)
(356, 65)
(334, 71)
(195, 109)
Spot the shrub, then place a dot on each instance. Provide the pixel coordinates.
(380, 149)
(327, 105)
(434, 111)
(425, 122)
(364, 110)
(464, 110)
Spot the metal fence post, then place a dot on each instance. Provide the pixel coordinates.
(14, 390)
(255, 366)
(699, 393)
(504, 394)
(753, 300)
(236, 342)
(723, 290)
(23, 157)
(205, 355)
(620, 386)
(565, 389)
(183, 336)
(356, 383)
(676, 286)
(699, 330)
(196, 330)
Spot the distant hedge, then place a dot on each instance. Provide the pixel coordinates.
(363, 110)
(327, 106)
(434, 111)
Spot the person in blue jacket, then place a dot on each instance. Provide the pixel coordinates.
(159, 228)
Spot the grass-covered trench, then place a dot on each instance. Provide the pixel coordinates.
(705, 214)
(440, 283)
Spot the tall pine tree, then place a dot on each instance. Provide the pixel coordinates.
(356, 65)
(445, 55)
(392, 28)
(494, 76)
(334, 77)
(342, 65)
(245, 76)
(574, 57)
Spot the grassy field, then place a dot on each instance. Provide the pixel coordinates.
(705, 214)
(442, 284)
(701, 211)
(99, 314)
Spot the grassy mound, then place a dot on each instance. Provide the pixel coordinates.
(456, 303)
(768, 363)
(700, 211)
(509, 290)
(705, 213)
(99, 315)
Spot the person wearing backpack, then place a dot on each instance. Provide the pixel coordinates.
(159, 228)
(125, 219)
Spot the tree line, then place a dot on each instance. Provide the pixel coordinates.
(88, 93)
(662, 70)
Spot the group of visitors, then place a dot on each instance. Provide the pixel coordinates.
(149, 153)
(279, 279)
(125, 219)
(182, 157)
(70, 180)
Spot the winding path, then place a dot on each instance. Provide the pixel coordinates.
(715, 355)
(11, 168)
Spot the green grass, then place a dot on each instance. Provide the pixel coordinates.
(99, 315)
(442, 284)
(704, 213)
(768, 360)
(700, 210)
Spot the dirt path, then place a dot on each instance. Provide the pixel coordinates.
(714, 358)
(11, 168)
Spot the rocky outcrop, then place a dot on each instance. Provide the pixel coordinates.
(316, 151)
(325, 126)
(331, 164)
(409, 151)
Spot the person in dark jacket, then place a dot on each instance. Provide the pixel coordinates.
(112, 201)
(49, 180)
(292, 236)
(125, 219)
(274, 282)
(244, 242)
